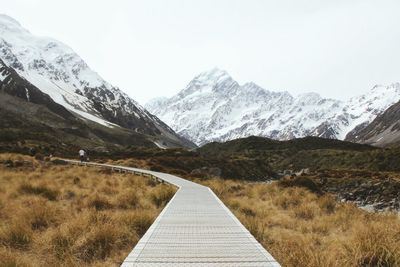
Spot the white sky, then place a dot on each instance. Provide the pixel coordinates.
(338, 48)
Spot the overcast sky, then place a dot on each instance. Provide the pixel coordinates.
(338, 48)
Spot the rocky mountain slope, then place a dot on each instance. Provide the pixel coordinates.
(383, 130)
(58, 72)
(214, 107)
(29, 118)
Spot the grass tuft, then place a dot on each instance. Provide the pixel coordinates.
(16, 235)
(43, 191)
(129, 200)
(98, 244)
(161, 195)
(99, 203)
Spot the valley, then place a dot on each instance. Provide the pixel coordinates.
(298, 220)
(313, 181)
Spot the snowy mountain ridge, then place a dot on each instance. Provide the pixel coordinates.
(58, 71)
(214, 107)
(53, 67)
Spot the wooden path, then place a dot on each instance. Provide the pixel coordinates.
(194, 229)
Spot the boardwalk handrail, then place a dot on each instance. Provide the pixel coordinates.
(194, 229)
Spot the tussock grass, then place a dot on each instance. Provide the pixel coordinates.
(301, 228)
(162, 195)
(53, 215)
(99, 202)
(17, 234)
(138, 222)
(129, 200)
(39, 190)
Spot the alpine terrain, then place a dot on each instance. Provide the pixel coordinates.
(214, 107)
(43, 71)
(382, 131)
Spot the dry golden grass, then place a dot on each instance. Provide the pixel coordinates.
(300, 228)
(72, 216)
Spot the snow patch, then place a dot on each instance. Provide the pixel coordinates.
(160, 145)
(3, 75)
(27, 95)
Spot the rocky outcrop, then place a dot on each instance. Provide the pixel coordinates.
(374, 191)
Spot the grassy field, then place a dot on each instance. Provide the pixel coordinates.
(54, 215)
(72, 216)
(300, 228)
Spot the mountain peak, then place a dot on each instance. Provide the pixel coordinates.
(212, 80)
(215, 74)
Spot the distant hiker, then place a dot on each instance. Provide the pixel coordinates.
(82, 155)
(32, 151)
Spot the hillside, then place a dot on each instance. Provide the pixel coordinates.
(383, 131)
(30, 116)
(46, 72)
(254, 143)
(310, 152)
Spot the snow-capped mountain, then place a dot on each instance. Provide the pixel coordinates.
(384, 130)
(59, 72)
(214, 107)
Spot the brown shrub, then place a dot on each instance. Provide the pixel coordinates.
(305, 211)
(9, 258)
(248, 211)
(40, 215)
(374, 245)
(301, 181)
(60, 244)
(99, 203)
(327, 203)
(98, 243)
(129, 200)
(161, 195)
(16, 235)
(139, 222)
(42, 191)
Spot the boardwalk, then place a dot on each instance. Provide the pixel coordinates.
(195, 229)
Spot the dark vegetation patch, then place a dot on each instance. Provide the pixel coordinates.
(43, 191)
(309, 152)
(305, 182)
